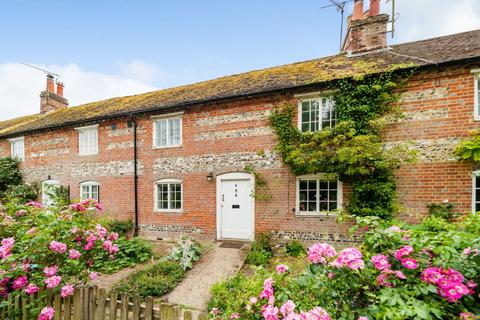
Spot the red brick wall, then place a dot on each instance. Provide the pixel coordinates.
(438, 106)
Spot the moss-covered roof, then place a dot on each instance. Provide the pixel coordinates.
(14, 124)
(422, 53)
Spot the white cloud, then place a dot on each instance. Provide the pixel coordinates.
(141, 71)
(422, 19)
(20, 87)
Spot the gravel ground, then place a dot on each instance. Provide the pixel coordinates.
(216, 265)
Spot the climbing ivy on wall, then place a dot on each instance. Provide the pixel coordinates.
(352, 150)
(469, 149)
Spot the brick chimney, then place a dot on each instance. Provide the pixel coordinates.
(51, 101)
(367, 30)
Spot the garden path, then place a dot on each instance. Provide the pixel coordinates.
(216, 265)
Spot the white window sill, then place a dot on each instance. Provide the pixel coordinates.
(167, 211)
(167, 147)
(476, 118)
(87, 154)
(314, 214)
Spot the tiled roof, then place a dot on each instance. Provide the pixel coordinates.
(421, 53)
(12, 124)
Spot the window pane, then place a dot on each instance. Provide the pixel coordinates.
(161, 133)
(174, 131)
(332, 206)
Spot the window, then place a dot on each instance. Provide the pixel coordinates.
(17, 148)
(49, 188)
(477, 94)
(88, 140)
(317, 195)
(90, 190)
(476, 192)
(168, 195)
(316, 114)
(167, 132)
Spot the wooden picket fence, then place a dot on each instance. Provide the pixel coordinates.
(91, 303)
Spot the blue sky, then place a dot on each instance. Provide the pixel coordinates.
(107, 48)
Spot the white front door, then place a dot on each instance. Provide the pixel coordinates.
(235, 219)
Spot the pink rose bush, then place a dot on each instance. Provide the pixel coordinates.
(51, 249)
(394, 271)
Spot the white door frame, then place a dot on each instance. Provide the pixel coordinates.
(233, 176)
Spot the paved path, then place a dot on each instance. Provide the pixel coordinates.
(216, 265)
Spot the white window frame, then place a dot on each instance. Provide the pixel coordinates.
(476, 92)
(13, 142)
(81, 131)
(89, 184)
(46, 200)
(155, 195)
(317, 177)
(311, 97)
(166, 117)
(475, 174)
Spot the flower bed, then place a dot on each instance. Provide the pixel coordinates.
(58, 248)
(404, 272)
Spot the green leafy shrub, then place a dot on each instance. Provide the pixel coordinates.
(155, 280)
(186, 253)
(399, 273)
(130, 253)
(21, 193)
(261, 252)
(469, 149)
(294, 248)
(441, 210)
(122, 227)
(9, 174)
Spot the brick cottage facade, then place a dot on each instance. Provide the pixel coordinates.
(174, 160)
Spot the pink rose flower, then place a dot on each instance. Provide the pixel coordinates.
(88, 246)
(59, 247)
(319, 252)
(93, 276)
(50, 271)
(253, 300)
(101, 231)
(281, 268)
(381, 262)
(351, 258)
(410, 263)
(363, 318)
(287, 308)
(270, 312)
(67, 291)
(31, 289)
(234, 316)
(267, 289)
(47, 313)
(74, 254)
(404, 251)
(316, 313)
(53, 282)
(20, 282)
(113, 236)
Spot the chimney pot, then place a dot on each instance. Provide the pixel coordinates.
(50, 84)
(357, 10)
(60, 89)
(374, 8)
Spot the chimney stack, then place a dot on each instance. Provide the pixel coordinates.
(51, 101)
(367, 30)
(50, 85)
(60, 89)
(374, 8)
(357, 10)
